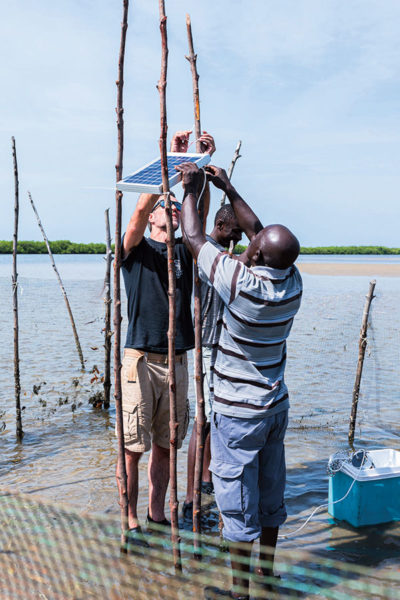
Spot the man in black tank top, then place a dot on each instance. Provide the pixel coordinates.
(144, 374)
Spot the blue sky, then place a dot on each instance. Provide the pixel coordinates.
(311, 88)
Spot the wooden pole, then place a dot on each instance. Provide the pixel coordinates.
(76, 337)
(121, 471)
(107, 317)
(236, 156)
(198, 353)
(361, 353)
(17, 382)
(192, 58)
(173, 422)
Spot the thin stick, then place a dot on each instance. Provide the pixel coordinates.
(236, 156)
(201, 419)
(173, 422)
(198, 356)
(107, 317)
(19, 432)
(121, 471)
(77, 342)
(192, 58)
(361, 353)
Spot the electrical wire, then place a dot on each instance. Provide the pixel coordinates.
(290, 533)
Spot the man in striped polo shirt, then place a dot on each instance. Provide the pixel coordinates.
(261, 292)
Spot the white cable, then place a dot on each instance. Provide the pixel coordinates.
(290, 533)
(191, 143)
(204, 183)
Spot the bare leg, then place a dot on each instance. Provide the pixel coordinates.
(158, 473)
(207, 459)
(269, 537)
(191, 459)
(240, 562)
(132, 471)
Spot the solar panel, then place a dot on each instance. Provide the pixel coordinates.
(149, 179)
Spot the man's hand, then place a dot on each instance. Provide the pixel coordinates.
(207, 143)
(180, 141)
(192, 177)
(218, 177)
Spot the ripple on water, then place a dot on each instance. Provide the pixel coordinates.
(68, 455)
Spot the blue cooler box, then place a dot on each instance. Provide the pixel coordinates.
(375, 495)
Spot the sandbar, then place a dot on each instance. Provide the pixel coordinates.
(350, 269)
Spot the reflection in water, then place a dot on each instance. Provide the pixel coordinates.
(69, 449)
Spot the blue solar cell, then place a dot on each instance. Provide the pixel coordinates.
(149, 178)
(152, 173)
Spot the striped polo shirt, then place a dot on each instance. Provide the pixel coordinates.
(248, 362)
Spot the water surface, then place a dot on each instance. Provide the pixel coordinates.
(69, 449)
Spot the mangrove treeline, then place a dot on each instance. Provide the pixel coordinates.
(57, 247)
(67, 247)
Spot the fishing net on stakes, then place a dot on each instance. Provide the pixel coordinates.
(48, 551)
(51, 552)
(323, 353)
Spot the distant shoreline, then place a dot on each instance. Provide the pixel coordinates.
(350, 269)
(67, 247)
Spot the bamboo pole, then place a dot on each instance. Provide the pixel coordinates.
(198, 356)
(361, 353)
(74, 330)
(173, 423)
(121, 471)
(14, 278)
(107, 317)
(236, 156)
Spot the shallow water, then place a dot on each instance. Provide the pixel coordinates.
(69, 449)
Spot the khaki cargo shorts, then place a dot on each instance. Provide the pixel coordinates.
(145, 399)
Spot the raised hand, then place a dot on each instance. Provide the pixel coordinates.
(192, 177)
(207, 143)
(180, 141)
(217, 176)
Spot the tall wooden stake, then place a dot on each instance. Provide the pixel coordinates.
(107, 317)
(173, 422)
(198, 356)
(121, 471)
(361, 353)
(236, 156)
(14, 278)
(192, 58)
(64, 293)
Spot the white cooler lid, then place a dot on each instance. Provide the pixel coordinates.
(386, 464)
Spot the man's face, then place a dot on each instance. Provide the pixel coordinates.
(252, 255)
(158, 217)
(227, 231)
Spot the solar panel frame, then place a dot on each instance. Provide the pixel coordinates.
(148, 179)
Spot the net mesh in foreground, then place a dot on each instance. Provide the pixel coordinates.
(50, 552)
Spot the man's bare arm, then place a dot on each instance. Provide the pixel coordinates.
(193, 234)
(247, 219)
(138, 222)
